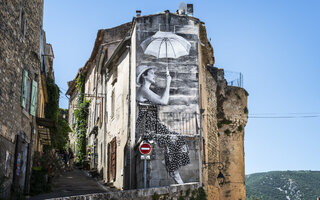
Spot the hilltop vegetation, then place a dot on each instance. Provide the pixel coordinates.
(286, 185)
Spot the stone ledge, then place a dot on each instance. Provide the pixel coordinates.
(170, 191)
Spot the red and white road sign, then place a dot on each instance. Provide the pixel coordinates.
(145, 148)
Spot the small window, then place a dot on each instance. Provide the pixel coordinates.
(25, 91)
(112, 104)
(34, 96)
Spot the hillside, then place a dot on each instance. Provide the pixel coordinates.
(283, 185)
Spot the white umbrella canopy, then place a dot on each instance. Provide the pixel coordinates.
(166, 45)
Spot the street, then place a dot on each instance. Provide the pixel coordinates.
(71, 183)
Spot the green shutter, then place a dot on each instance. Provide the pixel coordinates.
(33, 106)
(24, 88)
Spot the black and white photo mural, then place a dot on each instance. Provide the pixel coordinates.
(167, 95)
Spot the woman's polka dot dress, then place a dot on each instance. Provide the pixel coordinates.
(149, 127)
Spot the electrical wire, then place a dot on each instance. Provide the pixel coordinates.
(284, 115)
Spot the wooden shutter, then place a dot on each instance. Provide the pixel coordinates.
(33, 106)
(113, 158)
(109, 162)
(24, 89)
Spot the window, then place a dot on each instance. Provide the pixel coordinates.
(33, 105)
(112, 104)
(97, 114)
(24, 92)
(29, 93)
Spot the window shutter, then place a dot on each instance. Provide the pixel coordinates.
(33, 107)
(114, 158)
(24, 88)
(109, 162)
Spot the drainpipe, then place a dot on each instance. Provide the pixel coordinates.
(105, 122)
(129, 124)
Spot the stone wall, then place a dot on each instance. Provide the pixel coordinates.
(20, 26)
(223, 120)
(169, 192)
(231, 122)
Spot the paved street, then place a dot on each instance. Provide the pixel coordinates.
(71, 183)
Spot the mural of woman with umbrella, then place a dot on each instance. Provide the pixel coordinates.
(146, 77)
(176, 149)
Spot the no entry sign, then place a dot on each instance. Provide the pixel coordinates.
(145, 148)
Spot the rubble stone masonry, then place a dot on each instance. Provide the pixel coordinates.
(224, 116)
(20, 25)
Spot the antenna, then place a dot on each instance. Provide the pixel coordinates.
(182, 9)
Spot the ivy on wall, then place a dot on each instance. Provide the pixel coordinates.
(59, 134)
(81, 118)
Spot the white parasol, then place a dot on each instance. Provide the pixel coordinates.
(166, 45)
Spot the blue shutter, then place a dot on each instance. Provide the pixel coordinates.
(33, 106)
(24, 88)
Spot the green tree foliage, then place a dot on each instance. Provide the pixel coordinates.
(59, 134)
(280, 185)
(81, 118)
(51, 110)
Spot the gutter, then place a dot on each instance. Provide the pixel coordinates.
(129, 124)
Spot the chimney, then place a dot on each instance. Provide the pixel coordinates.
(138, 13)
(190, 9)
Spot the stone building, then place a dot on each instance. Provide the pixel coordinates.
(157, 84)
(24, 60)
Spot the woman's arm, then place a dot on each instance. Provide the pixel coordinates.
(153, 97)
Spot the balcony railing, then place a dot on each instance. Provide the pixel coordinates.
(234, 78)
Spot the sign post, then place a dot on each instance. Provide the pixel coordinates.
(145, 149)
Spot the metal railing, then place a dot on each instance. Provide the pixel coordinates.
(234, 78)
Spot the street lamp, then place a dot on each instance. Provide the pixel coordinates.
(220, 178)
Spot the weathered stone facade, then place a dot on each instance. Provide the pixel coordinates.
(20, 29)
(98, 89)
(224, 116)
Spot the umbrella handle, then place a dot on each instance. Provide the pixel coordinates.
(168, 74)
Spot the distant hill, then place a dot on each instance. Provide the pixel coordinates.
(283, 185)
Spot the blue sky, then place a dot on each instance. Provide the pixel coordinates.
(274, 44)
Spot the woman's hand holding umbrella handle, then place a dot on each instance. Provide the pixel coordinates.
(168, 77)
(168, 80)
